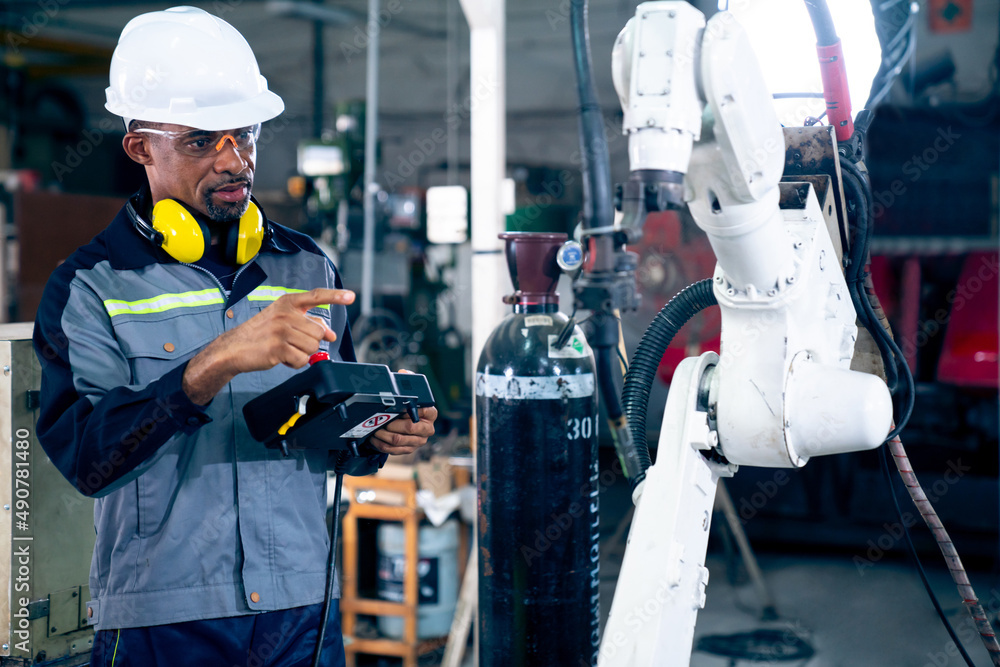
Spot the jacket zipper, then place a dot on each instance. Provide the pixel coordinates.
(218, 282)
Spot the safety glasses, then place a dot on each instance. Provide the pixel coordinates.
(202, 143)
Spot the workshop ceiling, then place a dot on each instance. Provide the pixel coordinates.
(65, 45)
(74, 37)
(415, 42)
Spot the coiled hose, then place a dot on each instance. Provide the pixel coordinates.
(639, 380)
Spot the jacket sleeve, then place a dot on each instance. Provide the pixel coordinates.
(95, 427)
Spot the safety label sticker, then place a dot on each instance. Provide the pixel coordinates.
(538, 321)
(576, 348)
(373, 423)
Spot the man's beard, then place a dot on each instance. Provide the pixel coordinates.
(228, 212)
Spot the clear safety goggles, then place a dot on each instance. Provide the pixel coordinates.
(201, 143)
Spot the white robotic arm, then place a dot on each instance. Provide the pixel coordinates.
(782, 390)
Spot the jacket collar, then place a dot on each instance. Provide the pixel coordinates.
(128, 250)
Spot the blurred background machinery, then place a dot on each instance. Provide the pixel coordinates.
(934, 158)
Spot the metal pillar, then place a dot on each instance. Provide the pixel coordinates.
(487, 103)
(371, 137)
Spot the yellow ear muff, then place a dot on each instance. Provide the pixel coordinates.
(250, 235)
(183, 236)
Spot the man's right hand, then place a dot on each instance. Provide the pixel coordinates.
(282, 333)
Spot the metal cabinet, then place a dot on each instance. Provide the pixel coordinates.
(46, 528)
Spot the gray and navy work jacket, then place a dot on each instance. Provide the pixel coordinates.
(194, 518)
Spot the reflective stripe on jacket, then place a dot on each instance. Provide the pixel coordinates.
(194, 518)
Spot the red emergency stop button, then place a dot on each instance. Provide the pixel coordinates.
(319, 356)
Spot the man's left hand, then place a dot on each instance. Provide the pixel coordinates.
(402, 436)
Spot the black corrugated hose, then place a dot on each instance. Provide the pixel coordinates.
(641, 371)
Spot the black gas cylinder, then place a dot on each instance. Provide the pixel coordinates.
(536, 425)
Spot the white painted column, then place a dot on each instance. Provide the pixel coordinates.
(371, 149)
(487, 89)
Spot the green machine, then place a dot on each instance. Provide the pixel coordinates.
(331, 168)
(46, 528)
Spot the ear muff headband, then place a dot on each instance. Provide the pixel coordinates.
(184, 237)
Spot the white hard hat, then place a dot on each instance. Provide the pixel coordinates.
(188, 67)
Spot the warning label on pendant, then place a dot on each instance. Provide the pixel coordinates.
(373, 423)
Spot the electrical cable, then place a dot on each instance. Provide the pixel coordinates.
(625, 446)
(595, 162)
(863, 296)
(947, 547)
(884, 465)
(621, 358)
(795, 96)
(819, 14)
(889, 4)
(606, 383)
(892, 63)
(857, 259)
(902, 34)
(890, 74)
(331, 574)
(605, 248)
(873, 318)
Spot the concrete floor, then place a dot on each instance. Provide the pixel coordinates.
(877, 616)
(881, 619)
(880, 616)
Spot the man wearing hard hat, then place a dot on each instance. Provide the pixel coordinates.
(211, 550)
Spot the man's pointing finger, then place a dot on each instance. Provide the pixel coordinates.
(319, 297)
